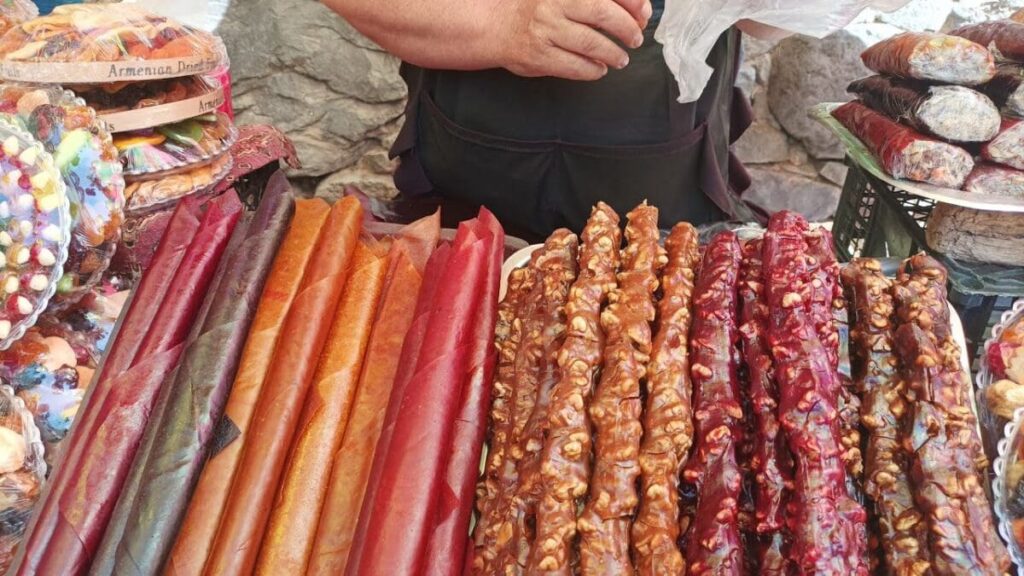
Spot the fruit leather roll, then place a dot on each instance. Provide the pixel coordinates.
(434, 273)
(400, 518)
(1006, 89)
(293, 520)
(933, 57)
(182, 436)
(1003, 38)
(952, 113)
(447, 546)
(407, 261)
(280, 404)
(86, 490)
(1008, 147)
(996, 180)
(106, 556)
(195, 537)
(904, 153)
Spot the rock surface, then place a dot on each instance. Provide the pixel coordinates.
(775, 190)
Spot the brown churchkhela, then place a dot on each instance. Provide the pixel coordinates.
(903, 532)
(942, 435)
(565, 462)
(714, 545)
(536, 374)
(827, 527)
(771, 464)
(668, 424)
(605, 522)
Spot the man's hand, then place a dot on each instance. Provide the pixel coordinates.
(567, 38)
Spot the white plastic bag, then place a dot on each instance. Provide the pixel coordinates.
(690, 28)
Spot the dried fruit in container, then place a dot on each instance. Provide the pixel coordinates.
(952, 113)
(149, 195)
(35, 222)
(934, 57)
(14, 12)
(22, 471)
(903, 152)
(83, 152)
(128, 106)
(156, 152)
(79, 44)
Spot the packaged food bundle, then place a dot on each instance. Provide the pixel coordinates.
(1006, 89)
(51, 367)
(934, 57)
(1006, 354)
(14, 12)
(995, 180)
(35, 225)
(147, 195)
(87, 160)
(1008, 147)
(904, 153)
(128, 106)
(83, 44)
(1003, 38)
(154, 152)
(952, 113)
(22, 470)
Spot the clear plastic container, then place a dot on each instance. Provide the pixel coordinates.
(94, 43)
(130, 106)
(151, 195)
(14, 12)
(35, 230)
(171, 148)
(22, 472)
(88, 161)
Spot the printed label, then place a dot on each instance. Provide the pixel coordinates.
(103, 72)
(143, 118)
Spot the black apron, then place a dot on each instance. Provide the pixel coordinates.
(540, 152)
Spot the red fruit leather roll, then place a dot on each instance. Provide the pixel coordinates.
(827, 526)
(198, 529)
(934, 57)
(1008, 147)
(447, 547)
(714, 545)
(1003, 38)
(565, 459)
(996, 180)
(296, 512)
(904, 153)
(109, 441)
(405, 505)
(280, 405)
(138, 318)
(771, 466)
(668, 419)
(606, 519)
(435, 271)
(407, 261)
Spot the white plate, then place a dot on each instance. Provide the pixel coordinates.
(866, 160)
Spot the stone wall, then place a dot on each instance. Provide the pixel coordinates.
(338, 96)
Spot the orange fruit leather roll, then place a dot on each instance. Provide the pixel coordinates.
(276, 419)
(200, 525)
(296, 512)
(353, 461)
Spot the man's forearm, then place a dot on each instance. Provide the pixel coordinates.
(442, 34)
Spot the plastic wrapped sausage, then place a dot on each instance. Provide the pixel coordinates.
(903, 152)
(565, 461)
(996, 180)
(604, 524)
(827, 527)
(933, 57)
(714, 545)
(951, 113)
(1003, 38)
(1006, 89)
(1008, 147)
(668, 420)
(903, 531)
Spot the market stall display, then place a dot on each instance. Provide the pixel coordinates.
(83, 44)
(128, 106)
(87, 160)
(22, 470)
(35, 224)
